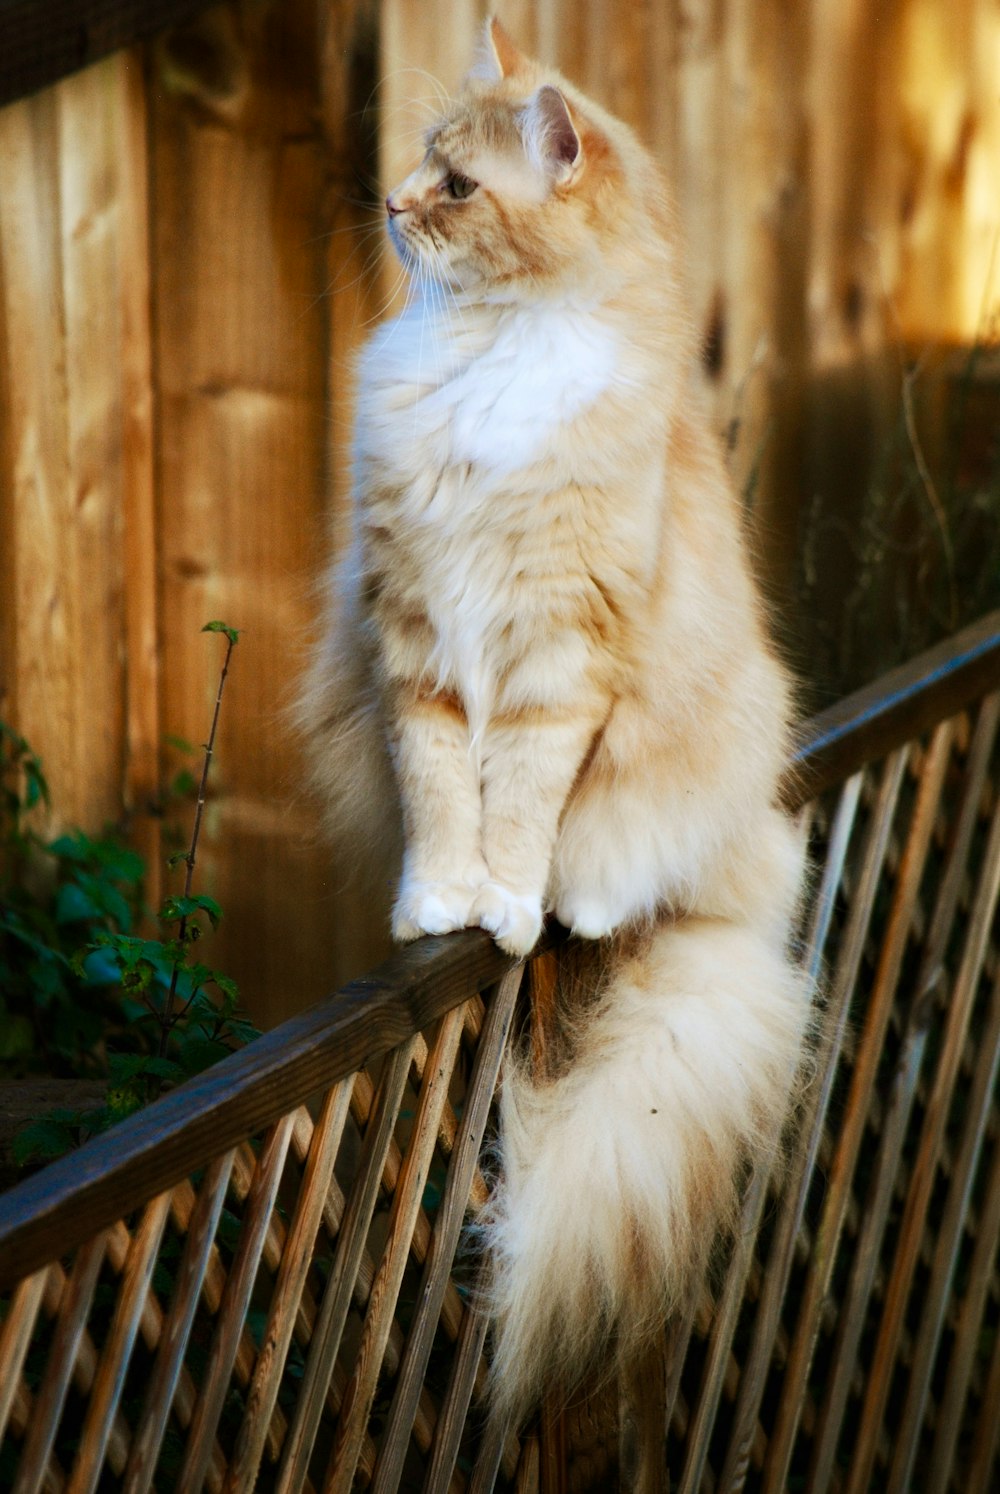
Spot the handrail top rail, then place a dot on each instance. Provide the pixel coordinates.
(71, 1199)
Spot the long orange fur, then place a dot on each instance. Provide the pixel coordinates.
(546, 665)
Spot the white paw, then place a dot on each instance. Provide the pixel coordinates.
(431, 908)
(514, 919)
(589, 917)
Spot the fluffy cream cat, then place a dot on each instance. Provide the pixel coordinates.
(546, 658)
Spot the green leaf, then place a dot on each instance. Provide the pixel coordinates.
(35, 785)
(242, 1030)
(176, 908)
(232, 634)
(74, 904)
(120, 862)
(125, 948)
(140, 977)
(177, 858)
(72, 847)
(226, 985)
(125, 1100)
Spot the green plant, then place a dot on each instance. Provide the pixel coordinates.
(85, 992)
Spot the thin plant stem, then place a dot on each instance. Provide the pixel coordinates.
(167, 1020)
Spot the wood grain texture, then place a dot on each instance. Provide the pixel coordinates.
(238, 252)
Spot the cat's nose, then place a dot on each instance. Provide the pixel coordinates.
(392, 208)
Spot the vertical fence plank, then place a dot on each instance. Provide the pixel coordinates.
(238, 282)
(74, 418)
(39, 563)
(138, 495)
(90, 129)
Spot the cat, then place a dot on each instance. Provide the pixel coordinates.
(545, 673)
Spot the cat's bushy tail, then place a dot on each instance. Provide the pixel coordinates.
(619, 1172)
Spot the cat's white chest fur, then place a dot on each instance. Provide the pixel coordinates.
(495, 390)
(456, 407)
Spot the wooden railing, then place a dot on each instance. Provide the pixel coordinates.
(259, 1282)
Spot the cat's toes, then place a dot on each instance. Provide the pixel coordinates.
(589, 917)
(431, 908)
(514, 919)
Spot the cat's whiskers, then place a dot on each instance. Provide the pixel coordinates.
(372, 242)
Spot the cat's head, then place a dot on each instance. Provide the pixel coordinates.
(525, 186)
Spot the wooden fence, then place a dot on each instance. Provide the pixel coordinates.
(184, 274)
(257, 1282)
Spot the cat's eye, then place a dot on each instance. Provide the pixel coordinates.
(459, 186)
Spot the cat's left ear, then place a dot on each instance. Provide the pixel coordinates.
(550, 136)
(497, 56)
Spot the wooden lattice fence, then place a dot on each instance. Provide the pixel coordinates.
(260, 1281)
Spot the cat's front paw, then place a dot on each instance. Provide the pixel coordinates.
(432, 908)
(514, 919)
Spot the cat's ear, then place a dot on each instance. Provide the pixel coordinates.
(497, 57)
(549, 134)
